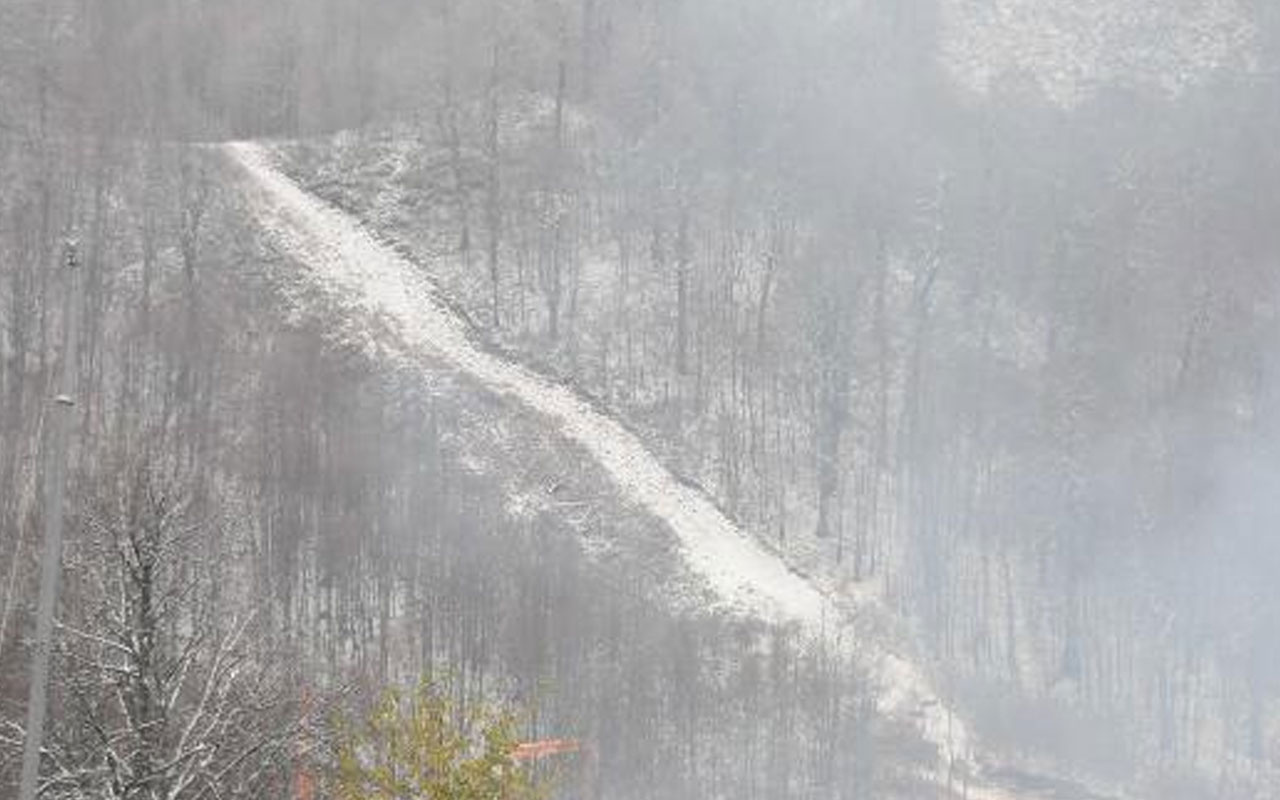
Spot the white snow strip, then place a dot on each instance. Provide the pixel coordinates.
(361, 271)
(350, 266)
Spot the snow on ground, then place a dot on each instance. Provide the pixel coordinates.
(371, 279)
(382, 294)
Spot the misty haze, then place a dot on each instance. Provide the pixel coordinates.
(640, 399)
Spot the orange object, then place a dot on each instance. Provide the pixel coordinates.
(532, 751)
(304, 787)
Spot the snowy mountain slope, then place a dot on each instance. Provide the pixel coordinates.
(384, 294)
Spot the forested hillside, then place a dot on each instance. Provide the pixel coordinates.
(968, 314)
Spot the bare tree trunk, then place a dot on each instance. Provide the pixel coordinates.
(553, 278)
(493, 187)
(682, 294)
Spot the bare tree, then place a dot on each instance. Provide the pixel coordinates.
(166, 694)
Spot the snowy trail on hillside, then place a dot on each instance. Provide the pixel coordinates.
(352, 265)
(387, 293)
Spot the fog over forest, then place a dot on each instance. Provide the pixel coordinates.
(613, 399)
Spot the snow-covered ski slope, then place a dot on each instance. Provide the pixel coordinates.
(370, 278)
(388, 294)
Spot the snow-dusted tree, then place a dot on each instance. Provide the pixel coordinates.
(165, 690)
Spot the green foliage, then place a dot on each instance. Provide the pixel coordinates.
(417, 746)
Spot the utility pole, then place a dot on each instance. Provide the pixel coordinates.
(51, 563)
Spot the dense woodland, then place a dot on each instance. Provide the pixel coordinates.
(1010, 363)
